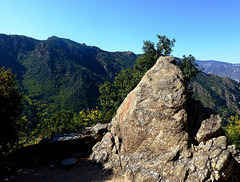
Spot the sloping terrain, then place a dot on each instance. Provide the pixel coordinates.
(220, 94)
(60, 71)
(222, 69)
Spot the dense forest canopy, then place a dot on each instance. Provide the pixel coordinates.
(63, 73)
(10, 111)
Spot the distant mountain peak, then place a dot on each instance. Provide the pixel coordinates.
(53, 37)
(222, 69)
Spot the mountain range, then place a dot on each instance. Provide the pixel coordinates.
(222, 69)
(60, 71)
(66, 74)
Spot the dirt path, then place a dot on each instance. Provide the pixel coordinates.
(83, 171)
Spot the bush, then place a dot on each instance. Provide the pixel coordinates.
(66, 122)
(233, 130)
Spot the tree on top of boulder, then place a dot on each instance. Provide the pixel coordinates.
(151, 53)
(189, 68)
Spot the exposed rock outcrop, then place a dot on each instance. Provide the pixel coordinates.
(157, 135)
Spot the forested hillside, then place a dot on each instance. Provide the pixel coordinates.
(59, 71)
(220, 94)
(66, 75)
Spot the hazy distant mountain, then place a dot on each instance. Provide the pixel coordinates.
(221, 69)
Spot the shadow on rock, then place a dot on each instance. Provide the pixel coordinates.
(203, 123)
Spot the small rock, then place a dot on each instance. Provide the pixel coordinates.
(232, 149)
(69, 162)
(64, 137)
(100, 128)
(209, 128)
(77, 155)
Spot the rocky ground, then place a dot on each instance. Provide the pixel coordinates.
(62, 158)
(83, 171)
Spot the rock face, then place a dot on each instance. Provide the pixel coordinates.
(157, 135)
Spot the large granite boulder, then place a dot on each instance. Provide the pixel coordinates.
(157, 135)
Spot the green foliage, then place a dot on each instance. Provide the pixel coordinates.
(189, 68)
(60, 122)
(10, 110)
(233, 130)
(33, 113)
(89, 117)
(151, 53)
(112, 94)
(65, 121)
(108, 99)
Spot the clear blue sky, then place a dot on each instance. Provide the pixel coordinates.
(207, 29)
